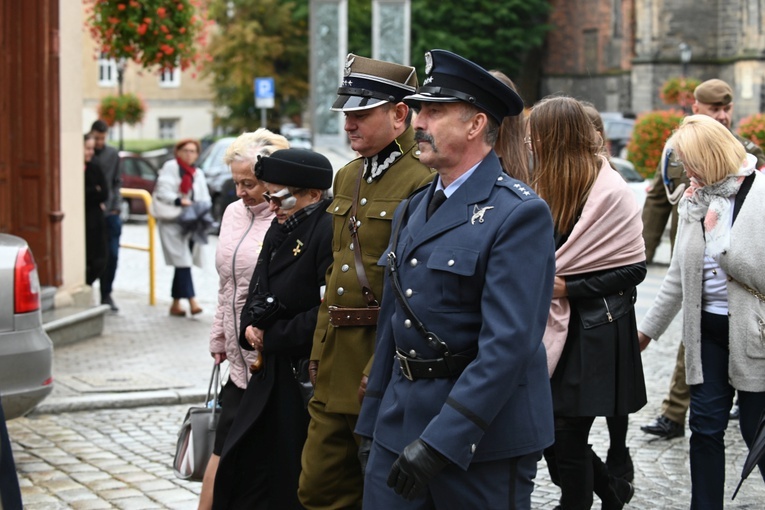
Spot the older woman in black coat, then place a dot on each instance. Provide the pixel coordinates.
(260, 462)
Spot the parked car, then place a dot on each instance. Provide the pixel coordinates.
(299, 138)
(137, 173)
(635, 181)
(26, 351)
(618, 129)
(218, 175)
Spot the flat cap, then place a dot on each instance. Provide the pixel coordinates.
(713, 92)
(369, 83)
(300, 168)
(452, 78)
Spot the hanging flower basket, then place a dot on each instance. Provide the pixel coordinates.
(164, 33)
(127, 108)
(679, 91)
(753, 128)
(649, 135)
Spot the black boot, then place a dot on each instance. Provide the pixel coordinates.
(613, 492)
(620, 464)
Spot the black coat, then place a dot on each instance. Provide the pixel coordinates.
(96, 194)
(260, 462)
(600, 372)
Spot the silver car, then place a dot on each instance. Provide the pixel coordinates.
(26, 352)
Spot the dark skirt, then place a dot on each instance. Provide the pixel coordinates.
(600, 372)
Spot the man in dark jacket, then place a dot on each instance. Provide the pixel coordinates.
(458, 406)
(108, 159)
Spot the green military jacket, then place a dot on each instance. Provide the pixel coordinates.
(344, 352)
(657, 207)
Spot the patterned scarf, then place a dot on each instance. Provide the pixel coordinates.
(712, 204)
(376, 166)
(293, 221)
(187, 176)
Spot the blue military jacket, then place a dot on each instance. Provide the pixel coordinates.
(479, 273)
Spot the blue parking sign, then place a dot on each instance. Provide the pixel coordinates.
(264, 92)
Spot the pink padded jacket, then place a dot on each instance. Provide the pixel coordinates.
(239, 243)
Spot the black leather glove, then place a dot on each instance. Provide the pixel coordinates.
(414, 469)
(365, 446)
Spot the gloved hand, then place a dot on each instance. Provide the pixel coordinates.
(414, 469)
(313, 371)
(365, 446)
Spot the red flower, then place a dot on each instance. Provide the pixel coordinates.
(121, 7)
(169, 37)
(113, 20)
(161, 12)
(142, 29)
(180, 7)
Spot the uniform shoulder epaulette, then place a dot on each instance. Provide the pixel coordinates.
(521, 189)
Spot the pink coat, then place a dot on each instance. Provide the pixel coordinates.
(239, 243)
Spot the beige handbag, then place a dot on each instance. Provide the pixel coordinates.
(163, 211)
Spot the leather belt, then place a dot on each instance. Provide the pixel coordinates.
(345, 316)
(413, 368)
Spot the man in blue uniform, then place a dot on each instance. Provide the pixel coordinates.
(458, 400)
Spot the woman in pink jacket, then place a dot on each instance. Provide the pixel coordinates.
(241, 237)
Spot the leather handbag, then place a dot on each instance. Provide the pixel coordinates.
(163, 211)
(196, 436)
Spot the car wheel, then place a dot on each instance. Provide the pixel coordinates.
(125, 210)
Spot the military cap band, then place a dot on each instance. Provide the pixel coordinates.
(298, 168)
(370, 83)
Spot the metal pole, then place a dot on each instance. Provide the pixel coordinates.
(263, 118)
(120, 71)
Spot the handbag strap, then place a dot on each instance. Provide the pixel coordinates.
(433, 341)
(361, 274)
(212, 390)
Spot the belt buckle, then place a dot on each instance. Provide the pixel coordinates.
(403, 362)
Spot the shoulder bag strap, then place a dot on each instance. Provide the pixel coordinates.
(433, 341)
(361, 274)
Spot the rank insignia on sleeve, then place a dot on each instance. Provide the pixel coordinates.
(478, 213)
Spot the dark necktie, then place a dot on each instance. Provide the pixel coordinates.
(439, 197)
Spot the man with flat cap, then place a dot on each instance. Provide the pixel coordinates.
(458, 406)
(366, 193)
(714, 98)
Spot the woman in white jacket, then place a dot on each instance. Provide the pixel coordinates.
(179, 185)
(716, 277)
(243, 227)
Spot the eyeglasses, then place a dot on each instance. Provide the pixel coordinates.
(282, 199)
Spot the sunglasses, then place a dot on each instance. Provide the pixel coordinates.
(282, 199)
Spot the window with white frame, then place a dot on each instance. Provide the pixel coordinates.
(170, 77)
(168, 129)
(107, 71)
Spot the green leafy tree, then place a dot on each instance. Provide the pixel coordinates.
(258, 39)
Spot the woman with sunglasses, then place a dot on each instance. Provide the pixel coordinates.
(591, 336)
(260, 463)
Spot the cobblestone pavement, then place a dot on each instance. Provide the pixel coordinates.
(89, 446)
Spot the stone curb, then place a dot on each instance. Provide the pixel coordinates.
(121, 400)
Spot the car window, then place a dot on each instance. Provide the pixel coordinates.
(146, 171)
(616, 130)
(128, 167)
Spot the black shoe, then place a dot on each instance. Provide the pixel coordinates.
(664, 427)
(734, 412)
(109, 301)
(620, 465)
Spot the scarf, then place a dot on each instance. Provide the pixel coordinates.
(608, 234)
(187, 176)
(711, 203)
(376, 166)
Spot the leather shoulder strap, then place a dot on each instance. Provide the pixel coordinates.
(361, 273)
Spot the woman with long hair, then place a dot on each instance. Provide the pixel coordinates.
(591, 336)
(509, 144)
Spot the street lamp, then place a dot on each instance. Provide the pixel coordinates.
(120, 73)
(685, 56)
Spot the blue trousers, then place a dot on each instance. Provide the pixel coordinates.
(710, 405)
(183, 286)
(113, 233)
(504, 484)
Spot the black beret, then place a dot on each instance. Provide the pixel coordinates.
(299, 168)
(452, 78)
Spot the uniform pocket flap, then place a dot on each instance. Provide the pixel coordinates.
(339, 206)
(381, 209)
(455, 260)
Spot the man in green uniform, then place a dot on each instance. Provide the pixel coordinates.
(714, 98)
(366, 193)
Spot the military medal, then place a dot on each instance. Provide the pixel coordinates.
(296, 249)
